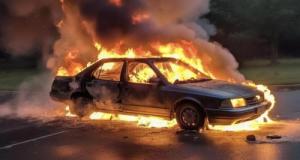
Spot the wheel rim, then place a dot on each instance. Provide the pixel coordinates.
(189, 117)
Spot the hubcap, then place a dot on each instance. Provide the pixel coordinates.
(189, 116)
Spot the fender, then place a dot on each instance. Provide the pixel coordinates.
(187, 99)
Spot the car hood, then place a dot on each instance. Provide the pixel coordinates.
(221, 88)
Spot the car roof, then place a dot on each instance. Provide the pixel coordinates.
(140, 59)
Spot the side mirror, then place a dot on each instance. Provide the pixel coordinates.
(155, 80)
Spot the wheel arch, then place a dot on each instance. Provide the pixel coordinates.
(188, 100)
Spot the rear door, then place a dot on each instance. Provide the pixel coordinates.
(105, 85)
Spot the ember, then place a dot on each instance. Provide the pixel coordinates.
(151, 122)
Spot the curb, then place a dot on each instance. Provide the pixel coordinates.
(284, 86)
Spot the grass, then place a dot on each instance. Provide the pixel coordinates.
(287, 71)
(10, 79)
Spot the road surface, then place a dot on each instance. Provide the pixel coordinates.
(64, 138)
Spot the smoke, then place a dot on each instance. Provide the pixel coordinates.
(32, 100)
(136, 23)
(140, 21)
(28, 26)
(31, 24)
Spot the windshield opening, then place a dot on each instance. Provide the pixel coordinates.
(177, 71)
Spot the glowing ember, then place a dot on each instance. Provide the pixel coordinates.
(151, 122)
(69, 113)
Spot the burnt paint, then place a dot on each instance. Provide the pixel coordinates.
(142, 95)
(104, 90)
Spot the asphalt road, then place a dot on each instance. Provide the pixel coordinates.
(62, 138)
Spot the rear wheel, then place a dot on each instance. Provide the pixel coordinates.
(82, 106)
(190, 117)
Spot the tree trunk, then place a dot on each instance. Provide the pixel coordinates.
(274, 49)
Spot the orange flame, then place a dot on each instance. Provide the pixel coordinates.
(151, 122)
(69, 113)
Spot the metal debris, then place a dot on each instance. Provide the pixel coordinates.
(251, 138)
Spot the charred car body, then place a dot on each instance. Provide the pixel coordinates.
(153, 86)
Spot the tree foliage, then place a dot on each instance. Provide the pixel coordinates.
(270, 21)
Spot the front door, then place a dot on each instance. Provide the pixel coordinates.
(142, 91)
(105, 85)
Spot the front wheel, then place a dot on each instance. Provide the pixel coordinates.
(190, 117)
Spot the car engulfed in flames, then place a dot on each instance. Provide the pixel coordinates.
(177, 75)
(90, 36)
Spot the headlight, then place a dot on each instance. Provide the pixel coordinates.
(238, 102)
(235, 103)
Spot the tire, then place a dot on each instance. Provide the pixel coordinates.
(82, 106)
(190, 117)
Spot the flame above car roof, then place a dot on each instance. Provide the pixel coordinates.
(140, 59)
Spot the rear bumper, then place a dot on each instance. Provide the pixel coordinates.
(237, 115)
(59, 96)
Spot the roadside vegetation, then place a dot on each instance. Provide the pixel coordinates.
(14, 71)
(11, 79)
(256, 29)
(286, 71)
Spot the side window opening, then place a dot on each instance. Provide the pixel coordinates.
(140, 73)
(109, 71)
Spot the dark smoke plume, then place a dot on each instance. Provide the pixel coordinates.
(87, 21)
(113, 23)
(31, 24)
(166, 20)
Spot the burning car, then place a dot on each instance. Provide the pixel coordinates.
(164, 87)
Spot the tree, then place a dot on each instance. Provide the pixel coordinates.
(267, 19)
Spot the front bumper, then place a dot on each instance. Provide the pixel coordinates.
(237, 115)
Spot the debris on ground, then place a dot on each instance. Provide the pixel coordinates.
(273, 136)
(251, 138)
